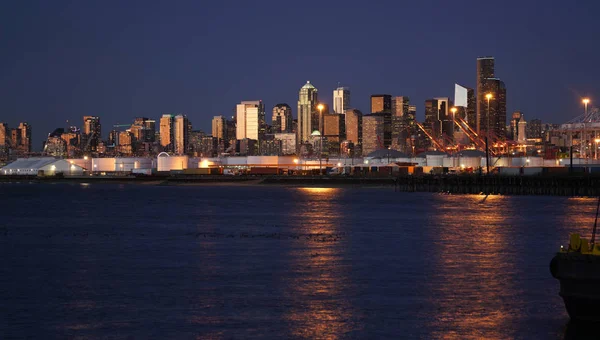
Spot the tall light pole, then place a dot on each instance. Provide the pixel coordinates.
(487, 148)
(320, 107)
(585, 102)
(453, 110)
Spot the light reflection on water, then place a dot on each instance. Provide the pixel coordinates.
(244, 262)
(319, 309)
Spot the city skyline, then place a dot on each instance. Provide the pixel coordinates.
(68, 62)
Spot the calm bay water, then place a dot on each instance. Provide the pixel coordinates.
(221, 262)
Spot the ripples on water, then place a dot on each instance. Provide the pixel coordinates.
(213, 262)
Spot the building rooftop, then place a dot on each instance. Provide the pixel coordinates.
(308, 85)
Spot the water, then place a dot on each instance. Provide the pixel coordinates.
(222, 262)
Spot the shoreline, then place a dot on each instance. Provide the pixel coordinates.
(564, 185)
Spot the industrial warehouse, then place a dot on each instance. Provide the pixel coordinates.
(379, 163)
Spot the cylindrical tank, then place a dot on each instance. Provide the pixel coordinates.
(103, 164)
(168, 163)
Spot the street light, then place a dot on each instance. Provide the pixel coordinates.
(585, 102)
(487, 134)
(320, 107)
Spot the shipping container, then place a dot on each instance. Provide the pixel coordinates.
(196, 171)
(264, 171)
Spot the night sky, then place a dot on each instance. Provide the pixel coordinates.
(60, 60)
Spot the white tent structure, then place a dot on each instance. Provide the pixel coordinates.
(49, 166)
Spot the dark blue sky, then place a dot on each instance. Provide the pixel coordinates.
(60, 60)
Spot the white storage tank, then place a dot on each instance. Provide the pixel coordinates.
(168, 163)
(103, 164)
(471, 162)
(435, 160)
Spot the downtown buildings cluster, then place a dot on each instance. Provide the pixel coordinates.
(450, 125)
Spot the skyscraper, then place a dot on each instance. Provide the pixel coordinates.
(181, 130)
(433, 123)
(249, 118)
(372, 126)
(399, 106)
(219, 128)
(92, 133)
(167, 134)
(341, 100)
(485, 69)
(445, 116)
(534, 128)
(497, 109)
(307, 108)
(354, 129)
(381, 103)
(282, 118)
(464, 100)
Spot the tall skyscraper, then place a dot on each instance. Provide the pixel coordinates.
(354, 129)
(381, 103)
(181, 130)
(497, 109)
(167, 134)
(334, 129)
(282, 118)
(433, 123)
(92, 133)
(219, 128)
(307, 109)
(464, 100)
(341, 100)
(249, 115)
(372, 126)
(445, 116)
(485, 70)
(400, 106)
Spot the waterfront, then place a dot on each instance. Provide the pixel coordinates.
(87, 260)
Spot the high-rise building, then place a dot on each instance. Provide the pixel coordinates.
(464, 100)
(249, 115)
(445, 116)
(514, 125)
(181, 130)
(354, 129)
(4, 141)
(167, 134)
(400, 106)
(341, 100)
(534, 129)
(307, 109)
(433, 123)
(497, 109)
(92, 133)
(487, 83)
(125, 144)
(381, 103)
(372, 126)
(219, 127)
(288, 142)
(521, 130)
(21, 139)
(282, 118)
(335, 132)
(144, 130)
(485, 70)
(54, 145)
